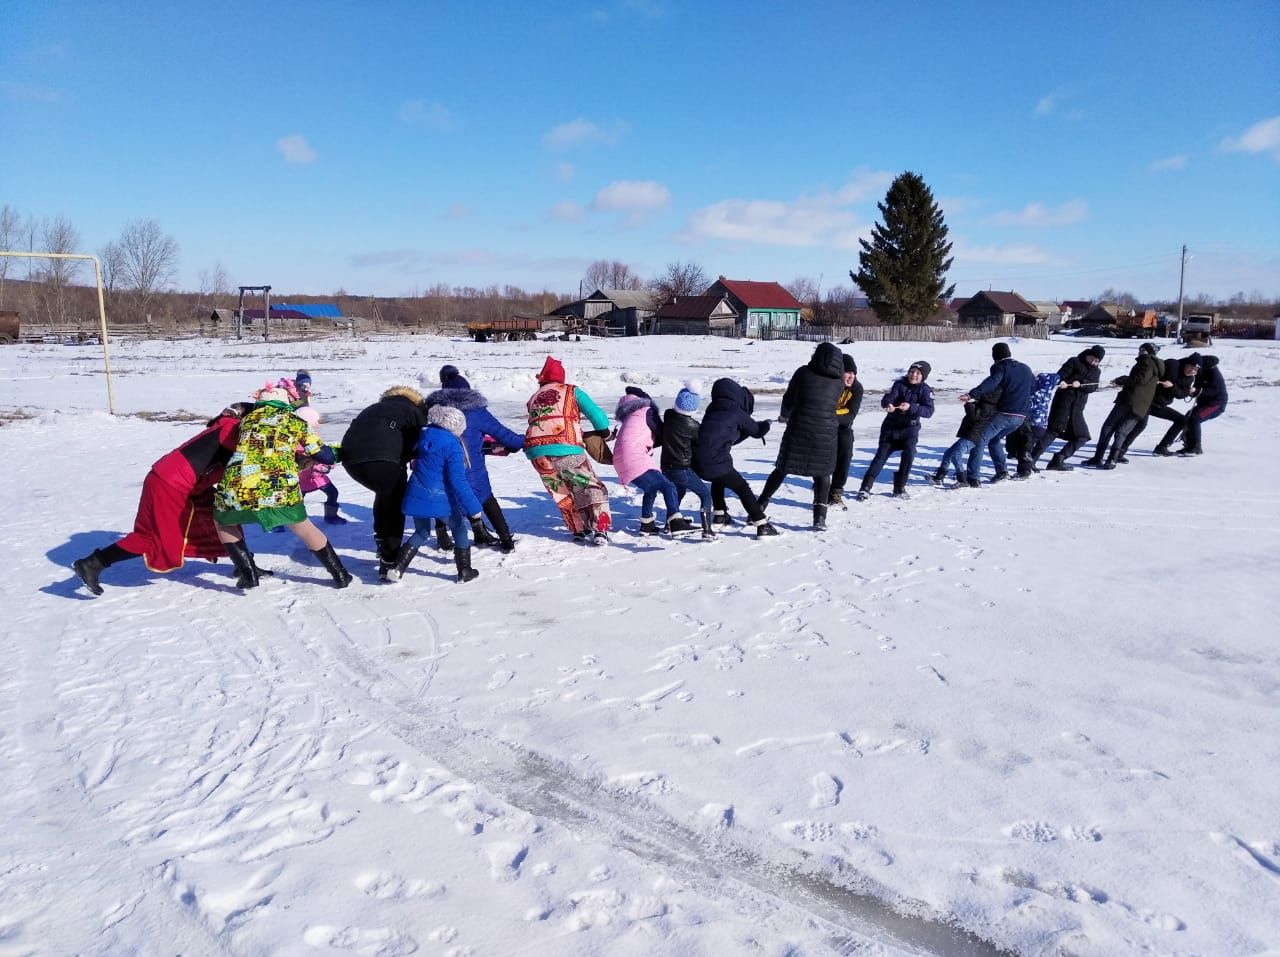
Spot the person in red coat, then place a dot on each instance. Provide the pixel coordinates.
(175, 514)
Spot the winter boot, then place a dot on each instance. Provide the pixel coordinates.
(600, 538)
(333, 565)
(1162, 450)
(242, 561)
(462, 561)
(331, 515)
(999, 477)
(937, 478)
(862, 495)
(819, 518)
(836, 497)
(900, 491)
(1059, 464)
(89, 568)
(975, 482)
(493, 512)
(403, 560)
(708, 530)
(444, 541)
(649, 526)
(1110, 463)
(1094, 461)
(962, 480)
(723, 518)
(1185, 452)
(764, 528)
(580, 536)
(678, 523)
(481, 535)
(386, 557)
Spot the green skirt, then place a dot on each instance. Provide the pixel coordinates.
(268, 518)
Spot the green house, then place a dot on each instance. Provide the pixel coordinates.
(765, 309)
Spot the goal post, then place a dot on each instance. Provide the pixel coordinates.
(102, 308)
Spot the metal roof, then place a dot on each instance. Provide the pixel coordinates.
(314, 310)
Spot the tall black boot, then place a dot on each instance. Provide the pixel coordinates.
(403, 560)
(333, 565)
(493, 512)
(481, 535)
(246, 571)
(387, 554)
(819, 518)
(444, 541)
(708, 530)
(462, 561)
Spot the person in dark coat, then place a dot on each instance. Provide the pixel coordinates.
(809, 443)
(908, 400)
(1210, 391)
(1077, 380)
(679, 434)
(1180, 374)
(1016, 383)
(1138, 390)
(977, 413)
(376, 451)
(847, 407)
(456, 391)
(728, 421)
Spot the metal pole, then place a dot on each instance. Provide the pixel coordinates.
(1181, 275)
(266, 313)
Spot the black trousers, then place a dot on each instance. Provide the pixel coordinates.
(1120, 422)
(844, 455)
(821, 486)
(888, 445)
(735, 483)
(1169, 415)
(387, 481)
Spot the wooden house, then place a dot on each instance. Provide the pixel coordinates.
(696, 316)
(763, 308)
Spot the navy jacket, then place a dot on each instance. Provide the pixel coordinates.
(480, 421)
(921, 398)
(1212, 387)
(727, 422)
(1018, 382)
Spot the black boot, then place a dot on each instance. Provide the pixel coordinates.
(331, 515)
(333, 565)
(1059, 464)
(649, 526)
(1162, 450)
(89, 568)
(764, 528)
(723, 518)
(246, 571)
(708, 530)
(481, 535)
(444, 541)
(402, 562)
(819, 518)
(462, 561)
(493, 512)
(678, 523)
(938, 478)
(387, 554)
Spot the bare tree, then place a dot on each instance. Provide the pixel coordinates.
(150, 259)
(111, 256)
(1119, 297)
(611, 274)
(679, 279)
(804, 288)
(57, 235)
(10, 233)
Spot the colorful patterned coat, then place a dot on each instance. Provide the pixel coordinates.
(263, 472)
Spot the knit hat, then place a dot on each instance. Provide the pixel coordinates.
(552, 371)
(688, 398)
(290, 386)
(451, 378)
(303, 380)
(447, 417)
(1150, 348)
(849, 364)
(1193, 360)
(1097, 352)
(271, 392)
(924, 368)
(1001, 351)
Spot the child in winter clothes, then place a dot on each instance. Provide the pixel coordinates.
(680, 432)
(312, 475)
(908, 401)
(977, 413)
(633, 461)
(438, 488)
(1022, 442)
(727, 422)
(457, 392)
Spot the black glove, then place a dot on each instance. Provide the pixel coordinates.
(764, 428)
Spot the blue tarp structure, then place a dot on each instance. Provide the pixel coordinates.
(284, 310)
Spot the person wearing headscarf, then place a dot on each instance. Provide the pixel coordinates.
(554, 444)
(261, 485)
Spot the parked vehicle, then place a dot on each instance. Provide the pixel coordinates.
(1136, 323)
(1198, 327)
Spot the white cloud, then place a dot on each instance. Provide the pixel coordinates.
(28, 93)
(582, 132)
(1040, 216)
(295, 149)
(1262, 137)
(567, 212)
(1049, 102)
(425, 113)
(823, 219)
(1000, 255)
(1178, 161)
(565, 172)
(632, 196)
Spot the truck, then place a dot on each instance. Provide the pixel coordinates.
(1136, 323)
(1198, 327)
(10, 326)
(511, 329)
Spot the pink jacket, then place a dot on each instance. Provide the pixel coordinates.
(633, 448)
(317, 476)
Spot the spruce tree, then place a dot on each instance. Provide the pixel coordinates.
(903, 268)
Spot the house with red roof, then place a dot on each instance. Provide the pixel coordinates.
(696, 315)
(764, 309)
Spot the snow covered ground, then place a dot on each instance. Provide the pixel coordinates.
(1043, 717)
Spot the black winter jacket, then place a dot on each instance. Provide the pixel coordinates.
(679, 432)
(386, 431)
(1181, 388)
(1211, 387)
(1066, 414)
(727, 422)
(977, 413)
(808, 445)
(1138, 388)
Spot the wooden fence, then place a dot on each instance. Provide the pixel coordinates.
(848, 334)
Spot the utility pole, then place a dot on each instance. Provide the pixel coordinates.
(1181, 275)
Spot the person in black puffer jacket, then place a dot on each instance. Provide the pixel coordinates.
(1211, 401)
(809, 443)
(376, 451)
(680, 432)
(908, 400)
(727, 422)
(1077, 380)
(1180, 374)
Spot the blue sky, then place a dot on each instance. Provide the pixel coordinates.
(384, 147)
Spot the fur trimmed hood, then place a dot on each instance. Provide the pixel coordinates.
(406, 391)
(629, 404)
(464, 399)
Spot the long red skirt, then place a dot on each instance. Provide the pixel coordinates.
(172, 524)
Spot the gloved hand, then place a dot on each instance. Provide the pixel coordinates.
(764, 427)
(337, 451)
